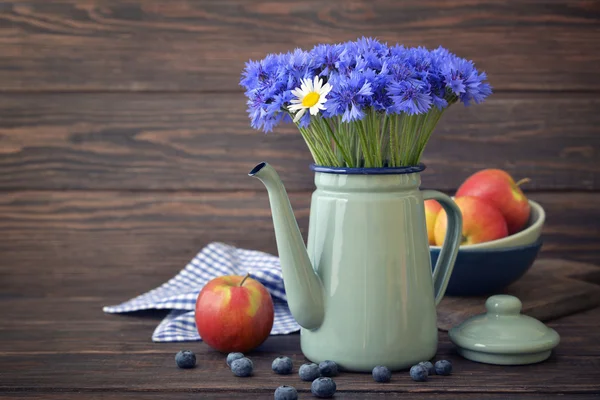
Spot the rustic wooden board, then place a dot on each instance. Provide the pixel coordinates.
(61, 321)
(85, 362)
(202, 45)
(129, 367)
(89, 395)
(51, 243)
(204, 141)
(152, 372)
(153, 176)
(549, 290)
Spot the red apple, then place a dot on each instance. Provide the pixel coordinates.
(499, 188)
(432, 209)
(234, 313)
(482, 222)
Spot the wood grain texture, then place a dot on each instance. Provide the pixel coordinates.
(61, 325)
(552, 288)
(202, 45)
(204, 142)
(52, 242)
(90, 395)
(151, 372)
(112, 178)
(567, 371)
(141, 373)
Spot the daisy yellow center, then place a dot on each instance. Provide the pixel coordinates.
(310, 99)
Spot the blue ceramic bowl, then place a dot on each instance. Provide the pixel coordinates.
(487, 271)
(487, 268)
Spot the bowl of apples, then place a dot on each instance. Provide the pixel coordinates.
(501, 235)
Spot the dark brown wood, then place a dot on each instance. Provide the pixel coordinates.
(65, 254)
(153, 369)
(204, 141)
(264, 394)
(65, 325)
(52, 243)
(551, 288)
(198, 45)
(145, 372)
(106, 195)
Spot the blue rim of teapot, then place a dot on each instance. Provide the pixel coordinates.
(369, 171)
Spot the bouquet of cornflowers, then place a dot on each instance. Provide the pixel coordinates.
(361, 103)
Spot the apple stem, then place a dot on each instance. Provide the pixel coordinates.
(244, 280)
(522, 181)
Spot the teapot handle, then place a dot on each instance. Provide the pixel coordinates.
(445, 262)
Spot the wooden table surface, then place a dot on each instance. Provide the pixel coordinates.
(53, 349)
(125, 147)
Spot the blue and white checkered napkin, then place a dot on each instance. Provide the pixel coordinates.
(179, 294)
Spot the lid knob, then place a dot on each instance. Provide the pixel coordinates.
(503, 304)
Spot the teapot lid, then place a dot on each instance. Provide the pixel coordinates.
(503, 335)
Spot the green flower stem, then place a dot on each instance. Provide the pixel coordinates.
(373, 133)
(320, 148)
(364, 143)
(356, 144)
(392, 142)
(416, 133)
(310, 144)
(338, 144)
(378, 140)
(394, 126)
(325, 142)
(383, 143)
(405, 134)
(429, 129)
(375, 127)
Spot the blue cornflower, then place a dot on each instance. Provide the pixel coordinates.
(280, 102)
(420, 60)
(268, 86)
(409, 98)
(363, 74)
(347, 59)
(298, 65)
(380, 100)
(462, 78)
(400, 71)
(349, 98)
(372, 54)
(264, 74)
(265, 83)
(326, 57)
(262, 115)
(370, 45)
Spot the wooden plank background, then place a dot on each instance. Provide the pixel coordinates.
(124, 149)
(123, 128)
(186, 45)
(203, 141)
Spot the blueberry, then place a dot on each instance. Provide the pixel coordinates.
(282, 365)
(428, 366)
(418, 373)
(382, 374)
(233, 356)
(185, 359)
(323, 387)
(328, 368)
(309, 372)
(286, 393)
(443, 367)
(242, 367)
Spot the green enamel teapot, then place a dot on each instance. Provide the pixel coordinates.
(362, 289)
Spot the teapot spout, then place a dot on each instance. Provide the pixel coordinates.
(302, 285)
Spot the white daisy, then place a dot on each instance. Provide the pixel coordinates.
(311, 95)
